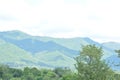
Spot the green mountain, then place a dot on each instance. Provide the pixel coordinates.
(77, 43)
(112, 45)
(13, 55)
(15, 34)
(18, 49)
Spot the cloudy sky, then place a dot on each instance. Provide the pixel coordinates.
(97, 19)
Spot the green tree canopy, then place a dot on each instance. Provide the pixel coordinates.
(90, 66)
(118, 51)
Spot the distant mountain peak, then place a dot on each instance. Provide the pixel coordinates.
(111, 42)
(14, 34)
(86, 38)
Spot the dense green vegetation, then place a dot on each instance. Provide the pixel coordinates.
(89, 66)
(118, 51)
(7, 73)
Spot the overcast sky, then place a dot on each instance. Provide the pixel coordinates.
(97, 19)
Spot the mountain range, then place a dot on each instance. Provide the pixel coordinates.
(19, 49)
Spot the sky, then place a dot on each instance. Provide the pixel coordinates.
(97, 19)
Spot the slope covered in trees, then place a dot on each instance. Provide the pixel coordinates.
(33, 50)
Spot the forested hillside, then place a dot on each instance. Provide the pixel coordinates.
(19, 50)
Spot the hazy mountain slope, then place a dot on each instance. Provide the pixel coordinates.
(33, 45)
(112, 45)
(55, 59)
(13, 55)
(17, 57)
(77, 43)
(72, 43)
(20, 49)
(46, 54)
(114, 62)
(15, 34)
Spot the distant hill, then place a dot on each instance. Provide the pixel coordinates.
(13, 55)
(112, 45)
(19, 49)
(114, 62)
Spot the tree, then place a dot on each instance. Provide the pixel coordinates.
(5, 72)
(118, 51)
(17, 73)
(62, 71)
(117, 75)
(69, 76)
(90, 66)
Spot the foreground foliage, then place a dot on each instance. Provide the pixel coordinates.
(7, 73)
(89, 66)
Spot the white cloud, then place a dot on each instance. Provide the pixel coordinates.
(63, 18)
